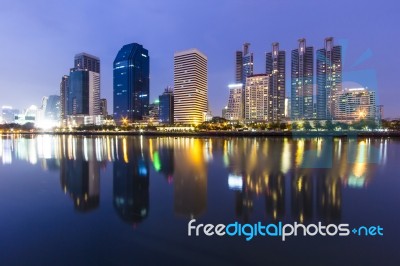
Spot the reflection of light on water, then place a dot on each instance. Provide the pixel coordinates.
(208, 151)
(225, 154)
(319, 147)
(356, 182)
(125, 150)
(300, 184)
(85, 149)
(7, 152)
(360, 164)
(300, 152)
(285, 156)
(382, 151)
(32, 152)
(235, 182)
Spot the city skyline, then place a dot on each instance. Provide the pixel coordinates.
(363, 56)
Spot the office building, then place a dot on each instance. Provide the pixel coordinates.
(190, 87)
(275, 67)
(329, 79)
(302, 69)
(87, 62)
(131, 83)
(8, 115)
(83, 91)
(52, 110)
(244, 68)
(356, 104)
(235, 102)
(166, 101)
(257, 98)
(103, 107)
(64, 88)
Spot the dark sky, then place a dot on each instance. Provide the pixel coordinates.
(39, 39)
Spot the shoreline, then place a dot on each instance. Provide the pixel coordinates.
(389, 134)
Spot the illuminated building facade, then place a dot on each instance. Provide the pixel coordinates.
(131, 83)
(64, 88)
(356, 104)
(302, 70)
(235, 103)
(275, 67)
(244, 65)
(190, 87)
(83, 91)
(257, 98)
(167, 106)
(329, 79)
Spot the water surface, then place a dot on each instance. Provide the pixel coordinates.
(115, 200)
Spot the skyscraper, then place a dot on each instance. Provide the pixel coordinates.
(103, 107)
(329, 79)
(64, 87)
(302, 81)
(275, 67)
(131, 83)
(243, 69)
(83, 97)
(87, 62)
(356, 104)
(190, 87)
(256, 97)
(52, 110)
(235, 102)
(167, 106)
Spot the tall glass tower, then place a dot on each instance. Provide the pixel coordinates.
(131, 83)
(329, 79)
(83, 96)
(302, 70)
(275, 67)
(244, 68)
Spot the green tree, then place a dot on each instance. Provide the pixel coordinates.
(295, 126)
(329, 125)
(307, 126)
(318, 125)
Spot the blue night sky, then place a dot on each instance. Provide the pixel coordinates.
(40, 38)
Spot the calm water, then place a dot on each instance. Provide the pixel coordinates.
(67, 200)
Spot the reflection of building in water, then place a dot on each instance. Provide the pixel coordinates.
(80, 178)
(261, 164)
(131, 180)
(329, 196)
(302, 196)
(162, 156)
(190, 178)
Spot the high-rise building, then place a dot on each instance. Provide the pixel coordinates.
(8, 115)
(302, 81)
(275, 67)
(329, 79)
(356, 104)
(244, 68)
(52, 110)
(131, 83)
(224, 112)
(83, 91)
(64, 88)
(87, 62)
(167, 106)
(103, 107)
(235, 102)
(257, 97)
(190, 87)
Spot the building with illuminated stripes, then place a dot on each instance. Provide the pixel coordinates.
(190, 87)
